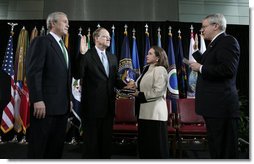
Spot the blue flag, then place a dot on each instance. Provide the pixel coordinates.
(181, 71)
(172, 85)
(172, 75)
(7, 65)
(147, 46)
(113, 44)
(125, 70)
(135, 58)
(159, 38)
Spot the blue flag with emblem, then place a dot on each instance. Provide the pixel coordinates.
(125, 70)
(135, 57)
(172, 75)
(74, 118)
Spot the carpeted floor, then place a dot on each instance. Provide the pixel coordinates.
(120, 151)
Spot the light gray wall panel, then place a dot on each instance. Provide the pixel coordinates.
(116, 10)
(3, 9)
(25, 9)
(235, 11)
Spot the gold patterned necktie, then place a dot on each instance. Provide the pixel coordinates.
(64, 51)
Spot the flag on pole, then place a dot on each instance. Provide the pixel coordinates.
(172, 75)
(147, 44)
(89, 40)
(17, 102)
(192, 74)
(66, 41)
(34, 34)
(25, 107)
(74, 118)
(181, 70)
(42, 31)
(172, 82)
(21, 51)
(135, 56)
(113, 44)
(7, 121)
(125, 69)
(202, 44)
(159, 37)
(23, 42)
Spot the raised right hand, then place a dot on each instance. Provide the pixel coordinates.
(83, 45)
(195, 46)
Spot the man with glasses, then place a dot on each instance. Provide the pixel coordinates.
(99, 74)
(216, 92)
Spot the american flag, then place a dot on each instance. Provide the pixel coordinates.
(8, 113)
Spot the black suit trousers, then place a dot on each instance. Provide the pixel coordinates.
(222, 134)
(47, 136)
(98, 137)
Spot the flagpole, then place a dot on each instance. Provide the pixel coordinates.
(34, 34)
(147, 44)
(159, 37)
(125, 29)
(80, 31)
(112, 42)
(21, 109)
(20, 52)
(12, 26)
(42, 31)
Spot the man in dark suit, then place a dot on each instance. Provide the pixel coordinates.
(99, 74)
(49, 78)
(216, 92)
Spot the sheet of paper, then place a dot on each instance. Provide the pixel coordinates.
(186, 61)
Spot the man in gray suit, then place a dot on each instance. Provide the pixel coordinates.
(216, 92)
(49, 78)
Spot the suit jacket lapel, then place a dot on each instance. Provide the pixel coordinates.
(97, 60)
(58, 49)
(109, 62)
(211, 46)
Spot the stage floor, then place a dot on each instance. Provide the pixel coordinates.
(120, 151)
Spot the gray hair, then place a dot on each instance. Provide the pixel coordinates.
(53, 17)
(217, 19)
(96, 33)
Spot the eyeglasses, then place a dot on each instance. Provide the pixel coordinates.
(205, 26)
(104, 36)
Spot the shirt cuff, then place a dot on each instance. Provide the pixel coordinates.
(200, 68)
